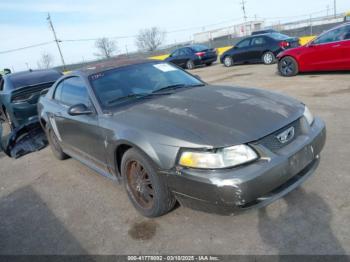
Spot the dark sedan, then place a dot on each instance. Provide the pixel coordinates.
(194, 55)
(258, 48)
(19, 94)
(170, 136)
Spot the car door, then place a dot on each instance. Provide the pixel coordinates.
(241, 51)
(175, 58)
(257, 48)
(80, 134)
(329, 51)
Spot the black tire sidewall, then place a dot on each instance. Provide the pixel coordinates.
(296, 66)
(163, 200)
(58, 152)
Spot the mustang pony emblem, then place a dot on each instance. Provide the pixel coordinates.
(286, 135)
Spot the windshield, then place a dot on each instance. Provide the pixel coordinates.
(131, 82)
(278, 36)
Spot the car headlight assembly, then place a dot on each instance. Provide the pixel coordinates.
(218, 158)
(308, 116)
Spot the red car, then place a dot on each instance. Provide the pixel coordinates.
(328, 52)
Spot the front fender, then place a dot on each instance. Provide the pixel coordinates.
(162, 156)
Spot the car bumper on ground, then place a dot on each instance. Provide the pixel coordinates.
(275, 174)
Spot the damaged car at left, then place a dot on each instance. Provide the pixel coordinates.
(21, 132)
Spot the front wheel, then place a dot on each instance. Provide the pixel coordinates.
(54, 145)
(288, 66)
(146, 189)
(268, 58)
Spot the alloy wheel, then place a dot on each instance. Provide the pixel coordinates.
(140, 184)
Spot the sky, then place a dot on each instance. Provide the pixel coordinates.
(23, 23)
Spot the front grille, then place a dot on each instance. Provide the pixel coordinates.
(271, 142)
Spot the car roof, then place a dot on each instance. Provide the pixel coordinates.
(109, 65)
(32, 77)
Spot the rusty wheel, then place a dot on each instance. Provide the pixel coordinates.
(140, 184)
(147, 190)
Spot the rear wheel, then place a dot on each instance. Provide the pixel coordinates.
(288, 66)
(54, 145)
(189, 64)
(228, 61)
(146, 189)
(268, 58)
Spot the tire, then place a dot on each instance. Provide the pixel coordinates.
(209, 64)
(55, 146)
(146, 190)
(228, 61)
(288, 66)
(189, 65)
(268, 58)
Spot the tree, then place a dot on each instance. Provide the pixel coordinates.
(150, 39)
(45, 61)
(105, 47)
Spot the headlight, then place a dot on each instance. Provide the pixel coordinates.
(220, 158)
(308, 115)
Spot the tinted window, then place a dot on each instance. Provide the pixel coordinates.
(243, 43)
(176, 53)
(31, 78)
(258, 41)
(338, 34)
(137, 79)
(74, 92)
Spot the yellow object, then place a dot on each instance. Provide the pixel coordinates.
(306, 39)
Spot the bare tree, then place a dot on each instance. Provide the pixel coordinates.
(150, 39)
(105, 47)
(46, 61)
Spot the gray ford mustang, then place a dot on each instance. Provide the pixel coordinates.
(171, 137)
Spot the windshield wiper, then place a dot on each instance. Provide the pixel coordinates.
(134, 95)
(173, 87)
(129, 96)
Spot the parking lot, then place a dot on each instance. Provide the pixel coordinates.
(53, 207)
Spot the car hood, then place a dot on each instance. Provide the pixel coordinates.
(210, 116)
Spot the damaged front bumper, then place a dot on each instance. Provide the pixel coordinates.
(24, 139)
(229, 191)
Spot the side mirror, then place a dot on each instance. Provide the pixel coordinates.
(79, 109)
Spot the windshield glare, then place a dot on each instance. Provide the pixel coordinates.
(137, 79)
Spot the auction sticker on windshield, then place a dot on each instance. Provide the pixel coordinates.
(165, 67)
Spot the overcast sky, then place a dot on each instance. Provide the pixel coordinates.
(23, 22)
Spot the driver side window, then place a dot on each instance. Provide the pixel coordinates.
(338, 34)
(72, 92)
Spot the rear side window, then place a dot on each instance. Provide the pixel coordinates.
(258, 41)
(74, 92)
(244, 43)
